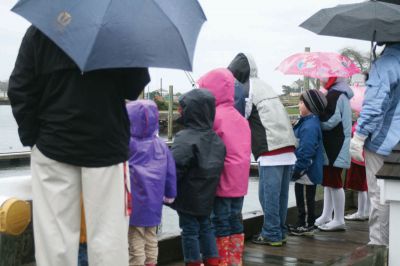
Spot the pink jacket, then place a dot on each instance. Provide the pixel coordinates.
(234, 131)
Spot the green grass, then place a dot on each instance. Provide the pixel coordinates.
(292, 110)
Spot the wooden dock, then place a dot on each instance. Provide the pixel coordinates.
(324, 248)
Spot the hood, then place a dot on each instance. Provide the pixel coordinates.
(243, 67)
(198, 109)
(143, 117)
(342, 86)
(221, 83)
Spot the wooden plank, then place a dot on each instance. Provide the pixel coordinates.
(389, 171)
(304, 251)
(397, 148)
(393, 158)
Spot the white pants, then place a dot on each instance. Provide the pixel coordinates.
(379, 213)
(56, 191)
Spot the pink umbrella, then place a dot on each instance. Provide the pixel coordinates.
(319, 65)
(358, 98)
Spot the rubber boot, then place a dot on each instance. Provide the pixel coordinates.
(211, 262)
(223, 250)
(194, 263)
(236, 250)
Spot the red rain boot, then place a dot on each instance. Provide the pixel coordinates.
(223, 250)
(211, 262)
(236, 250)
(194, 263)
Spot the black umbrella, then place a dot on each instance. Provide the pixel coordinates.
(371, 21)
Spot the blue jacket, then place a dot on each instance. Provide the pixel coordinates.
(240, 98)
(380, 113)
(336, 125)
(309, 152)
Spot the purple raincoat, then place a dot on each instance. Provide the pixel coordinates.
(151, 165)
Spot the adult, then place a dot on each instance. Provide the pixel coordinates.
(78, 128)
(273, 143)
(378, 132)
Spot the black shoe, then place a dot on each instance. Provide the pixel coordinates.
(261, 240)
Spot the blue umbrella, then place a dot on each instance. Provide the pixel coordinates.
(99, 34)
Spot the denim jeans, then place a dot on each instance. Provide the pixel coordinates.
(82, 256)
(227, 216)
(273, 194)
(197, 237)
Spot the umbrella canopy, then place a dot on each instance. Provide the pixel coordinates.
(100, 34)
(357, 100)
(318, 65)
(370, 21)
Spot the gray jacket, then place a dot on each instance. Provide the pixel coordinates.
(269, 122)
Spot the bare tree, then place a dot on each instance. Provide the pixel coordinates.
(360, 59)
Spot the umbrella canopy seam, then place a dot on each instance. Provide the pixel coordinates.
(180, 35)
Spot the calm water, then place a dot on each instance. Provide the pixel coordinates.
(9, 142)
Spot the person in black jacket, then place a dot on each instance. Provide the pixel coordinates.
(199, 156)
(78, 128)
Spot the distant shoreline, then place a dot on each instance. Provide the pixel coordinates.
(4, 102)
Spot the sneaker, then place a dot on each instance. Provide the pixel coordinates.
(284, 240)
(291, 227)
(303, 231)
(356, 217)
(261, 240)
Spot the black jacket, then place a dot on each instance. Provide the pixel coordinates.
(72, 117)
(199, 155)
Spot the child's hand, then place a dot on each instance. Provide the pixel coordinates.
(168, 200)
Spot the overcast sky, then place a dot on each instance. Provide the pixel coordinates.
(266, 29)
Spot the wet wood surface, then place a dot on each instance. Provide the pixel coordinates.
(391, 167)
(321, 249)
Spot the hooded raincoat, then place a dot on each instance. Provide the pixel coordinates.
(152, 167)
(269, 122)
(336, 125)
(199, 155)
(234, 131)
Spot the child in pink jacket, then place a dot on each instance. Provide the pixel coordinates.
(234, 131)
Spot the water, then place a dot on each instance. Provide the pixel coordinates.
(10, 143)
(9, 140)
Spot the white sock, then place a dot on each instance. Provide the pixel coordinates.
(362, 203)
(367, 205)
(326, 215)
(338, 205)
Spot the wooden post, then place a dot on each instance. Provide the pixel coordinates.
(306, 79)
(318, 84)
(170, 111)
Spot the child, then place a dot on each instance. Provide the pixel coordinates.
(356, 179)
(234, 131)
(308, 168)
(153, 179)
(199, 155)
(336, 130)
